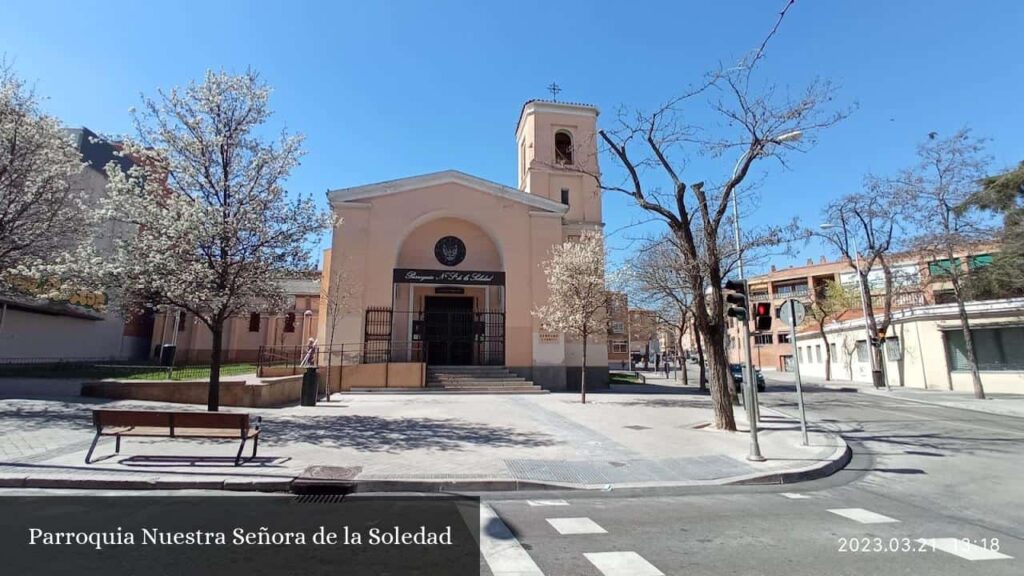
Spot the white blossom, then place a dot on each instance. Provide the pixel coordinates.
(205, 222)
(40, 212)
(577, 297)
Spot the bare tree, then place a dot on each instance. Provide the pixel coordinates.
(658, 283)
(863, 229)
(338, 292)
(947, 173)
(757, 123)
(577, 296)
(827, 307)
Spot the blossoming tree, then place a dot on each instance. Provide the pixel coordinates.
(213, 230)
(577, 296)
(40, 212)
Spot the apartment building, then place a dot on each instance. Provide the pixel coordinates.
(918, 282)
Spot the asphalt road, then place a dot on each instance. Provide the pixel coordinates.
(923, 479)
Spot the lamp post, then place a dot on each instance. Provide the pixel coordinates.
(750, 376)
(863, 302)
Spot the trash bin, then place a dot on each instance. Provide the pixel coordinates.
(309, 387)
(167, 354)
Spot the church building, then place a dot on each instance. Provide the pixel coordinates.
(446, 268)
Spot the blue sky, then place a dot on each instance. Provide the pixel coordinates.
(390, 89)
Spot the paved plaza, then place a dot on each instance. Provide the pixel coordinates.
(633, 436)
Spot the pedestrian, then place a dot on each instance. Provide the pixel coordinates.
(667, 364)
(310, 358)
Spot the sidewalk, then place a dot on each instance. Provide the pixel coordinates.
(633, 436)
(1000, 404)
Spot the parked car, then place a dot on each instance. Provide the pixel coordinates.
(737, 377)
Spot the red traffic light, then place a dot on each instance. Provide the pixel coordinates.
(763, 316)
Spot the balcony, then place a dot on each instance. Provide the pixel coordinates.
(786, 292)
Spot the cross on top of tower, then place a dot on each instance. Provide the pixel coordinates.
(554, 89)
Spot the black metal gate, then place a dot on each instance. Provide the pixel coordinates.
(491, 338)
(450, 331)
(377, 335)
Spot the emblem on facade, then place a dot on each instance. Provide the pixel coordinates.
(450, 251)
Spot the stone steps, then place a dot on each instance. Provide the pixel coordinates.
(478, 380)
(534, 389)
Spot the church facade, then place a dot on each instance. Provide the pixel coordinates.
(446, 268)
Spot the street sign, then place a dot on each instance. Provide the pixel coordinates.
(792, 312)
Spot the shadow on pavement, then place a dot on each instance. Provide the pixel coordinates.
(375, 434)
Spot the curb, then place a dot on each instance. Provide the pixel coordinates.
(804, 475)
(885, 394)
(144, 484)
(837, 461)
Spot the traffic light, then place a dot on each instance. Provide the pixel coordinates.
(737, 298)
(762, 316)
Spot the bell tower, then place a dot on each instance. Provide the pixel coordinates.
(557, 145)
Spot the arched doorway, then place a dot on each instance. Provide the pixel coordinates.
(449, 294)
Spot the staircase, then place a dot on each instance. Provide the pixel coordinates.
(479, 380)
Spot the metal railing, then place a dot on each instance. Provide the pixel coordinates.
(106, 368)
(296, 358)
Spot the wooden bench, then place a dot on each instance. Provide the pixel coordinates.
(151, 423)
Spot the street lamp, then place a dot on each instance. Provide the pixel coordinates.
(863, 299)
(751, 377)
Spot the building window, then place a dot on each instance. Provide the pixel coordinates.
(995, 348)
(763, 339)
(563, 148)
(784, 338)
(945, 297)
(832, 350)
(565, 196)
(893, 351)
(941, 268)
(862, 350)
(817, 353)
(289, 322)
(620, 347)
(791, 290)
(573, 238)
(980, 261)
(618, 327)
(254, 322)
(800, 353)
(181, 320)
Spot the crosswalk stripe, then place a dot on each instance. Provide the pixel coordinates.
(863, 516)
(503, 553)
(568, 526)
(795, 496)
(963, 549)
(622, 564)
(547, 502)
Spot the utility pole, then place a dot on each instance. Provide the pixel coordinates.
(794, 318)
(740, 310)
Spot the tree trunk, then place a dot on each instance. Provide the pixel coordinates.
(213, 400)
(828, 352)
(583, 373)
(700, 357)
(682, 357)
(721, 387)
(979, 391)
